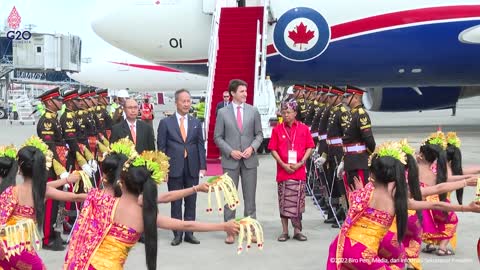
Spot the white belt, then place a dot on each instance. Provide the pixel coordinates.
(354, 148)
(315, 134)
(335, 141)
(323, 136)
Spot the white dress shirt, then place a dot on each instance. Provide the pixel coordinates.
(185, 121)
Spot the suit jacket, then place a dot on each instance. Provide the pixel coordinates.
(228, 137)
(145, 137)
(169, 140)
(220, 105)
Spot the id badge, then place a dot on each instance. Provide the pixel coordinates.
(292, 156)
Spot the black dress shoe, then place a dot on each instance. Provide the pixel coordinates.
(55, 245)
(330, 220)
(176, 241)
(142, 239)
(191, 239)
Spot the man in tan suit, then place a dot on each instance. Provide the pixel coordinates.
(238, 134)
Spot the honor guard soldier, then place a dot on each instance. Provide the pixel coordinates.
(299, 95)
(50, 131)
(89, 120)
(337, 122)
(119, 115)
(102, 112)
(358, 140)
(317, 112)
(312, 105)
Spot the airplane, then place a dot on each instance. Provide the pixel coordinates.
(410, 55)
(140, 77)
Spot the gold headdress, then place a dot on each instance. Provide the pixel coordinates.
(156, 163)
(8, 151)
(36, 142)
(406, 148)
(124, 146)
(222, 183)
(248, 227)
(437, 138)
(390, 149)
(453, 139)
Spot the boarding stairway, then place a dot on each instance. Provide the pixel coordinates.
(237, 51)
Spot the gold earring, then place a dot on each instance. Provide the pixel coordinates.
(104, 180)
(119, 183)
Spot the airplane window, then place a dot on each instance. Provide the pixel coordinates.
(39, 49)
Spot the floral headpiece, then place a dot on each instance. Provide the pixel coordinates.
(437, 138)
(390, 149)
(156, 163)
(453, 139)
(8, 151)
(38, 143)
(289, 104)
(406, 148)
(125, 147)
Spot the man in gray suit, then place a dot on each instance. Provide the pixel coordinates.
(238, 134)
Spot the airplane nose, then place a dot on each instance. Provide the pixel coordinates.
(104, 27)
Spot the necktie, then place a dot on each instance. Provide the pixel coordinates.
(183, 133)
(134, 134)
(239, 118)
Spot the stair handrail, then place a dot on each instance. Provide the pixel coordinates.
(263, 70)
(212, 62)
(257, 78)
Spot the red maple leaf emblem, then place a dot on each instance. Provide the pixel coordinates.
(300, 35)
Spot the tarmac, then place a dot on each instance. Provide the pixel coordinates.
(214, 254)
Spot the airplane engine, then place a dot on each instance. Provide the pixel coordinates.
(402, 99)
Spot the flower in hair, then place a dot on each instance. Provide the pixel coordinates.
(390, 149)
(406, 148)
(39, 144)
(437, 138)
(156, 163)
(124, 146)
(453, 139)
(8, 151)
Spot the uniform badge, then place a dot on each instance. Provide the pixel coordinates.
(361, 111)
(364, 121)
(69, 124)
(47, 126)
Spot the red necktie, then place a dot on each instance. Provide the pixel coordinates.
(134, 134)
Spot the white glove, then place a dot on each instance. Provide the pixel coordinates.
(340, 169)
(93, 163)
(64, 175)
(320, 161)
(87, 169)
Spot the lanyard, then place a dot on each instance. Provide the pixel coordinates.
(288, 135)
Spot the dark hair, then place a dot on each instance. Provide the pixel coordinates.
(8, 172)
(32, 165)
(386, 170)
(112, 167)
(234, 84)
(454, 155)
(138, 180)
(413, 181)
(178, 92)
(433, 152)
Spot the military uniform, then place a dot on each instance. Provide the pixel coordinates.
(358, 142)
(50, 131)
(301, 104)
(103, 116)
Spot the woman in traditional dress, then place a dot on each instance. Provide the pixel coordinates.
(112, 220)
(372, 212)
(439, 227)
(408, 251)
(22, 206)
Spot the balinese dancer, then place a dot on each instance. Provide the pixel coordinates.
(23, 206)
(111, 221)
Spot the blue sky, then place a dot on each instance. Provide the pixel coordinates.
(68, 16)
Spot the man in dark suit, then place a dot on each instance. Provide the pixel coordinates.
(180, 137)
(224, 103)
(138, 131)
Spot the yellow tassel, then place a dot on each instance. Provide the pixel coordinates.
(87, 184)
(80, 159)
(58, 167)
(88, 155)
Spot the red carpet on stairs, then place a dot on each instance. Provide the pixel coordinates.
(214, 167)
(235, 59)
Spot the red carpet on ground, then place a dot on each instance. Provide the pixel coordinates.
(214, 167)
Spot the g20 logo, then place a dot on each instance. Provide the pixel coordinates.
(19, 35)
